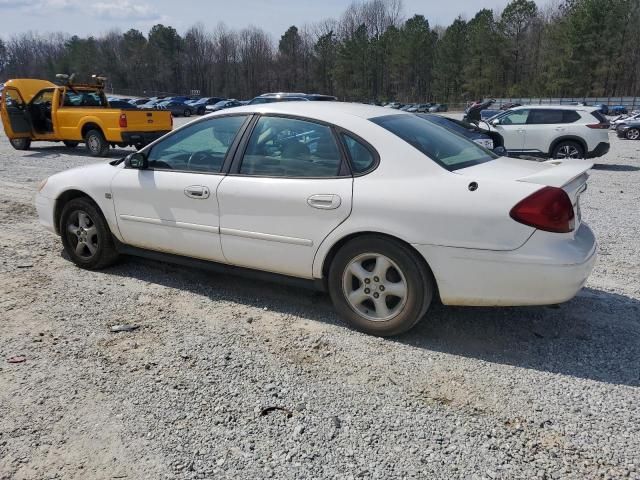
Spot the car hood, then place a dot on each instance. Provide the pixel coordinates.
(84, 179)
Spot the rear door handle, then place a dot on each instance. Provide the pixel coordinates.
(197, 191)
(324, 201)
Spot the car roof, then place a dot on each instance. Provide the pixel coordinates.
(586, 108)
(323, 111)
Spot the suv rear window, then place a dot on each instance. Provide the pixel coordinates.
(448, 149)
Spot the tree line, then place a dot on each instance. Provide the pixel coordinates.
(373, 51)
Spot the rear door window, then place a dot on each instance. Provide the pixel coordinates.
(288, 147)
(545, 117)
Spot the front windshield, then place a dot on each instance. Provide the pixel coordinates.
(221, 103)
(448, 149)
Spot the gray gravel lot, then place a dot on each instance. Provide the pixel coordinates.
(471, 393)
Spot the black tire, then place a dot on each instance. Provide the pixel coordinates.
(413, 275)
(72, 229)
(20, 143)
(96, 143)
(187, 112)
(633, 134)
(568, 149)
(70, 144)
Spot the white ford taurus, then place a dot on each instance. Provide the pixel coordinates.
(380, 207)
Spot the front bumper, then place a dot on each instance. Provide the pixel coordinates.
(601, 149)
(45, 207)
(548, 269)
(142, 138)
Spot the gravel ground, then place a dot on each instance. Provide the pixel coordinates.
(232, 378)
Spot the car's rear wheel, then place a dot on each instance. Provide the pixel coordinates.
(633, 134)
(96, 143)
(187, 112)
(20, 143)
(86, 236)
(379, 286)
(568, 149)
(70, 144)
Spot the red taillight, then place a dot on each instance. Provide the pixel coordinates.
(548, 209)
(599, 126)
(123, 120)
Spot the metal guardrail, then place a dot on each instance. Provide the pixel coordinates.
(631, 103)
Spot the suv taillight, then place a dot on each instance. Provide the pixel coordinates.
(123, 120)
(548, 209)
(599, 126)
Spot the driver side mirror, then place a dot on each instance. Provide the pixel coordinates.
(137, 160)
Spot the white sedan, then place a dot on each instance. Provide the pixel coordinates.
(379, 207)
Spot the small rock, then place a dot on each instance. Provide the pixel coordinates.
(124, 328)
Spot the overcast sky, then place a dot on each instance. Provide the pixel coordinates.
(84, 17)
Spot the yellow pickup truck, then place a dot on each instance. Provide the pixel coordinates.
(38, 110)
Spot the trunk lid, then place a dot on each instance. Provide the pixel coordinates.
(569, 174)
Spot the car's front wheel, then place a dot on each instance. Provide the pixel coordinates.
(633, 134)
(86, 236)
(568, 149)
(20, 143)
(379, 286)
(187, 112)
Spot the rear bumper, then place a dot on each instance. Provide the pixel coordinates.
(144, 138)
(601, 149)
(548, 269)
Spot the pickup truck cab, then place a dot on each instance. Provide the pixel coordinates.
(38, 110)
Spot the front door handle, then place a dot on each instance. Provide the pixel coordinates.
(197, 191)
(324, 201)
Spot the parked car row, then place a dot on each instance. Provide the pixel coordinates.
(186, 106)
(418, 107)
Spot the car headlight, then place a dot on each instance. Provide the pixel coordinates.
(42, 184)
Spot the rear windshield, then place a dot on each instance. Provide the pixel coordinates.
(448, 149)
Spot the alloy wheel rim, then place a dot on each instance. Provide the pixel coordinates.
(633, 134)
(93, 142)
(82, 234)
(374, 287)
(568, 151)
